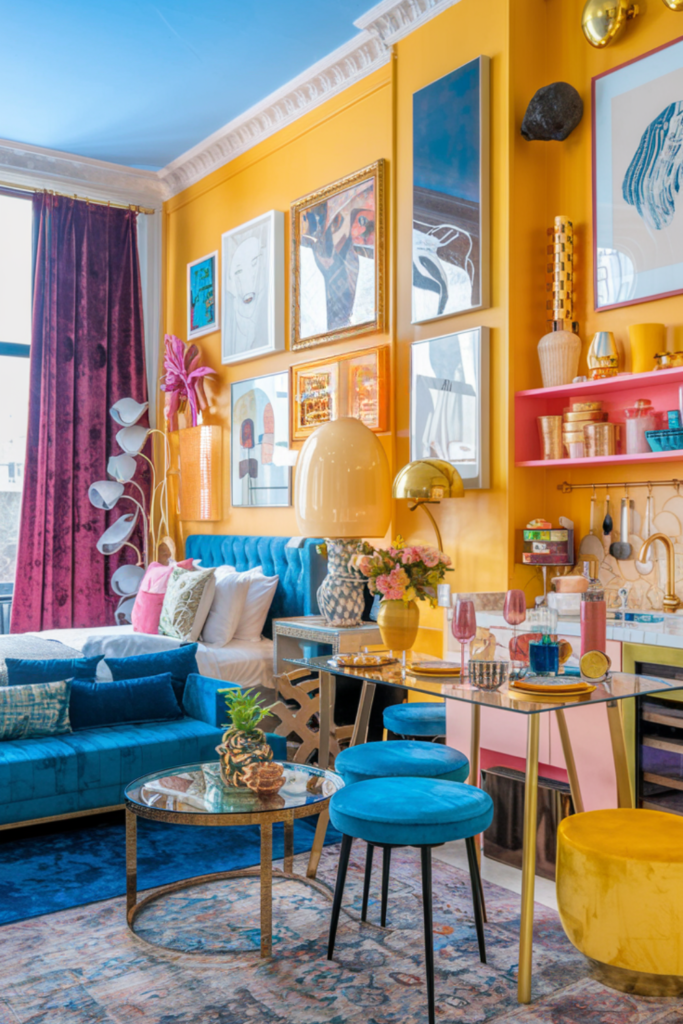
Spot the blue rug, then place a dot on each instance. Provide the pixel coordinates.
(49, 869)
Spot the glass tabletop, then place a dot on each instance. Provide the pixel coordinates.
(199, 789)
(616, 686)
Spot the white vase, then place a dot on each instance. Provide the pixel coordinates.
(558, 353)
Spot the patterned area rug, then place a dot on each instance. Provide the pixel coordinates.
(82, 966)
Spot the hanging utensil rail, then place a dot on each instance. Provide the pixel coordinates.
(566, 487)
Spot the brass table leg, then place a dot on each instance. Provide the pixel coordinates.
(266, 889)
(475, 741)
(362, 723)
(288, 864)
(569, 761)
(326, 698)
(526, 931)
(616, 732)
(131, 860)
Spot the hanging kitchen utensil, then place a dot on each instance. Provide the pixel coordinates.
(621, 549)
(607, 526)
(591, 545)
(645, 568)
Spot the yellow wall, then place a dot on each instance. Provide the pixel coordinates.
(531, 43)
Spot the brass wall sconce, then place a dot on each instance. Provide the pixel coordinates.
(425, 482)
(674, 5)
(603, 21)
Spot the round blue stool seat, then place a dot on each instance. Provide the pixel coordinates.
(426, 719)
(413, 758)
(410, 811)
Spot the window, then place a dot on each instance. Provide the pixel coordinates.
(15, 342)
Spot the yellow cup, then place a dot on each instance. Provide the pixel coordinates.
(646, 340)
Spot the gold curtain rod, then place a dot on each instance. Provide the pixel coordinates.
(566, 487)
(84, 199)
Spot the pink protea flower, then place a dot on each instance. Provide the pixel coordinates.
(183, 379)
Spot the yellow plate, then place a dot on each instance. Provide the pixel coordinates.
(433, 668)
(362, 660)
(563, 690)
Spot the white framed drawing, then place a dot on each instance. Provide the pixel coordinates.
(449, 403)
(202, 296)
(253, 286)
(260, 467)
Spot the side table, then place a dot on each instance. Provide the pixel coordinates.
(288, 634)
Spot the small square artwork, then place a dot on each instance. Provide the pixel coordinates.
(260, 468)
(449, 403)
(338, 260)
(637, 175)
(451, 193)
(253, 266)
(366, 388)
(202, 296)
(316, 397)
(353, 385)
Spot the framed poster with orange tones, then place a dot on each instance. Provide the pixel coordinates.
(353, 385)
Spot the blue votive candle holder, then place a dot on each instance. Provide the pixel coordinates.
(544, 658)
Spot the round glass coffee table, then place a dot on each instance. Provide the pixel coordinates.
(195, 794)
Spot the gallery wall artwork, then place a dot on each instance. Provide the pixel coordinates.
(338, 260)
(451, 193)
(353, 385)
(202, 296)
(449, 403)
(253, 267)
(260, 471)
(638, 179)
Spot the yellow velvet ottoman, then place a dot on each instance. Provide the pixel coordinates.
(620, 896)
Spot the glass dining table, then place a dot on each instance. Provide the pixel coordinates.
(611, 691)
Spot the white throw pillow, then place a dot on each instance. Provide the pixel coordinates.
(231, 593)
(257, 605)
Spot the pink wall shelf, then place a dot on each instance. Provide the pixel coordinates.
(616, 394)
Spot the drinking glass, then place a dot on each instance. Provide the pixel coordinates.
(514, 612)
(464, 628)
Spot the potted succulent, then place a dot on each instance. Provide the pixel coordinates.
(244, 744)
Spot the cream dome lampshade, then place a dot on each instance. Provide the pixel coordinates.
(342, 492)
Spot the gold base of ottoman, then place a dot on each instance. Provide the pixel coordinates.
(638, 983)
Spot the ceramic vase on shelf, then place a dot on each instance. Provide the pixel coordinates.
(398, 623)
(558, 354)
(341, 595)
(238, 751)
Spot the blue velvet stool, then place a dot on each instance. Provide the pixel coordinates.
(424, 719)
(413, 758)
(417, 812)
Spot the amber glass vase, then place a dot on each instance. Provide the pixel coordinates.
(398, 623)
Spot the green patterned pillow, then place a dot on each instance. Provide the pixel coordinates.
(187, 602)
(34, 709)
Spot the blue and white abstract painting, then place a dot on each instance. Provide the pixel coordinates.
(450, 193)
(638, 177)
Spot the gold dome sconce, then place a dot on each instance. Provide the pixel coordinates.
(603, 21)
(674, 5)
(426, 482)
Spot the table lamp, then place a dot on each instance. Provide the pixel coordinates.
(342, 493)
(425, 482)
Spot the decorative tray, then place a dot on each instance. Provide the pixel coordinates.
(561, 689)
(433, 668)
(361, 660)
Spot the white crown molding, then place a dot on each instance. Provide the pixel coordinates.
(39, 168)
(380, 27)
(391, 20)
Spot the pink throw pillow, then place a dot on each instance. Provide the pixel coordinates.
(150, 598)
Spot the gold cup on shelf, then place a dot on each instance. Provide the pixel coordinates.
(603, 356)
(600, 439)
(550, 433)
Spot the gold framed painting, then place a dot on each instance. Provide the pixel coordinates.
(353, 385)
(338, 286)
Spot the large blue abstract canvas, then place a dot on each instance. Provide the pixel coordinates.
(638, 179)
(450, 193)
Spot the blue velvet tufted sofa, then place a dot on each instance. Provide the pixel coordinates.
(85, 771)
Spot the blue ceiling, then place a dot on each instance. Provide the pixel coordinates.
(139, 83)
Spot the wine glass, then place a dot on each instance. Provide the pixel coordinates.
(514, 613)
(464, 628)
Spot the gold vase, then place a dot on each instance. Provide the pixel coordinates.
(398, 623)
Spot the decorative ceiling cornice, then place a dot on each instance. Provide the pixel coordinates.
(35, 167)
(380, 27)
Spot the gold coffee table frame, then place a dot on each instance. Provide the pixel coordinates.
(264, 818)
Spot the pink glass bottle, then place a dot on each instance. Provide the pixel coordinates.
(593, 620)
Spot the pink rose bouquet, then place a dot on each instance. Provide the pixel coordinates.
(402, 572)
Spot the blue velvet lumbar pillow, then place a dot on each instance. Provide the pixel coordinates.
(179, 661)
(38, 709)
(126, 700)
(49, 670)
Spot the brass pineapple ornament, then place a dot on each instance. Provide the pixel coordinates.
(244, 744)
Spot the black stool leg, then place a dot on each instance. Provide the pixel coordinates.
(386, 866)
(344, 855)
(429, 928)
(477, 896)
(366, 883)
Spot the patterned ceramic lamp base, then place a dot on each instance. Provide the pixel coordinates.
(341, 595)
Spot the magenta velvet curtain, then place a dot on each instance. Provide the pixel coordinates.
(87, 352)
